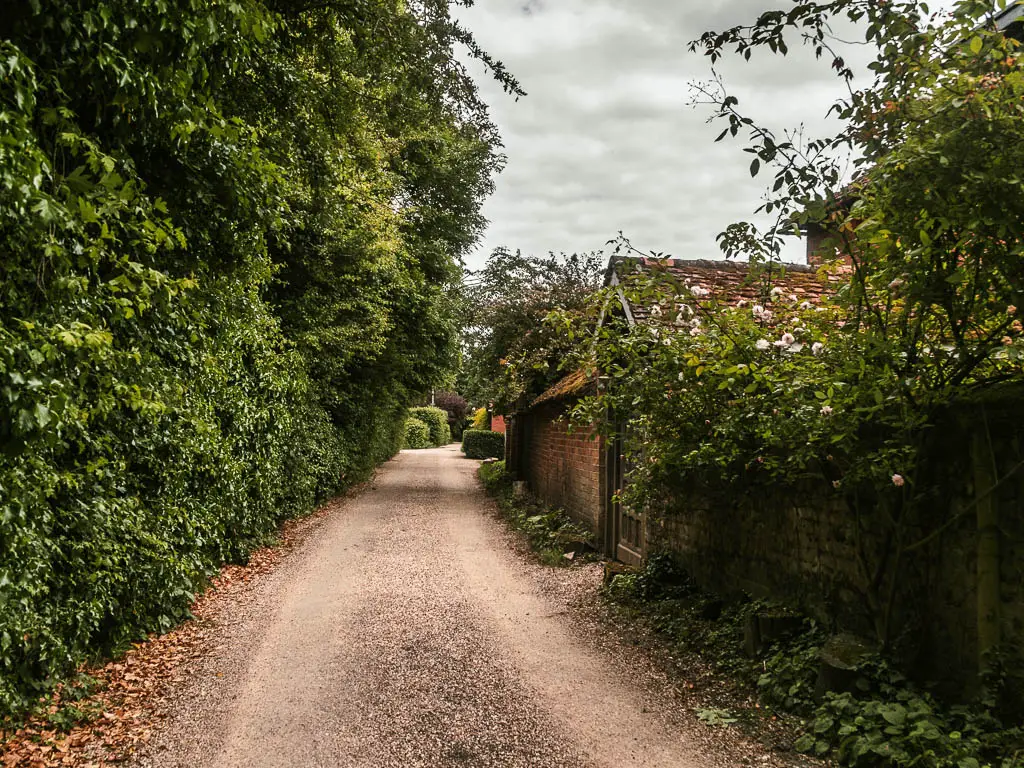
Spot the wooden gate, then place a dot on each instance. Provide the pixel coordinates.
(626, 533)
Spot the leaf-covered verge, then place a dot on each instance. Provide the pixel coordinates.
(231, 233)
(885, 721)
(550, 532)
(106, 712)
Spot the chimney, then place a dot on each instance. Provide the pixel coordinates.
(819, 251)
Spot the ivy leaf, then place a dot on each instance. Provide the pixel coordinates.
(42, 415)
(805, 743)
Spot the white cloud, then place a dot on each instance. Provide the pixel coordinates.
(607, 140)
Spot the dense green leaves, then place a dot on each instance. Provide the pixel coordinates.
(231, 231)
(417, 434)
(483, 444)
(510, 351)
(437, 421)
(921, 327)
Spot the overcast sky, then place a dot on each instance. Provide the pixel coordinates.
(607, 140)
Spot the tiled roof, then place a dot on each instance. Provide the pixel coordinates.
(729, 281)
(569, 386)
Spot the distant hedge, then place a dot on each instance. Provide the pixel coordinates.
(417, 434)
(437, 420)
(483, 444)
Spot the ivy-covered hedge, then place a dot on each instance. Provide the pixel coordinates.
(417, 434)
(213, 315)
(437, 420)
(483, 444)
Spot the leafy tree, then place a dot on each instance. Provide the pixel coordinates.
(510, 351)
(456, 407)
(874, 393)
(231, 232)
(932, 226)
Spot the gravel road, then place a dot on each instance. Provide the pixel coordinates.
(407, 631)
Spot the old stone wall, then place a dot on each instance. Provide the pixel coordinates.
(563, 468)
(797, 547)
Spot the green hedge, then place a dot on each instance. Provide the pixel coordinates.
(483, 444)
(437, 420)
(417, 434)
(209, 320)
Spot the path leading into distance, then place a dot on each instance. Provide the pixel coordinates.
(406, 631)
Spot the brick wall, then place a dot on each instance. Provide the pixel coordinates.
(563, 469)
(799, 546)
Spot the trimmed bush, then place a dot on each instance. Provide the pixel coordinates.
(436, 420)
(483, 444)
(417, 434)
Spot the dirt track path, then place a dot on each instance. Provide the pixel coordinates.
(406, 632)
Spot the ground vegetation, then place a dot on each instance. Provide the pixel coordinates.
(483, 444)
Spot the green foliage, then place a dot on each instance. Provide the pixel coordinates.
(662, 578)
(510, 351)
(417, 434)
(790, 671)
(496, 481)
(714, 717)
(887, 721)
(481, 419)
(844, 394)
(548, 530)
(230, 232)
(455, 406)
(483, 444)
(437, 420)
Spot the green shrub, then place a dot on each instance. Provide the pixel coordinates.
(548, 530)
(417, 434)
(436, 420)
(483, 444)
(495, 480)
(481, 419)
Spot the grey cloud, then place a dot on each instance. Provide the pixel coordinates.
(606, 139)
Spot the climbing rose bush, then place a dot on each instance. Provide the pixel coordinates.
(722, 391)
